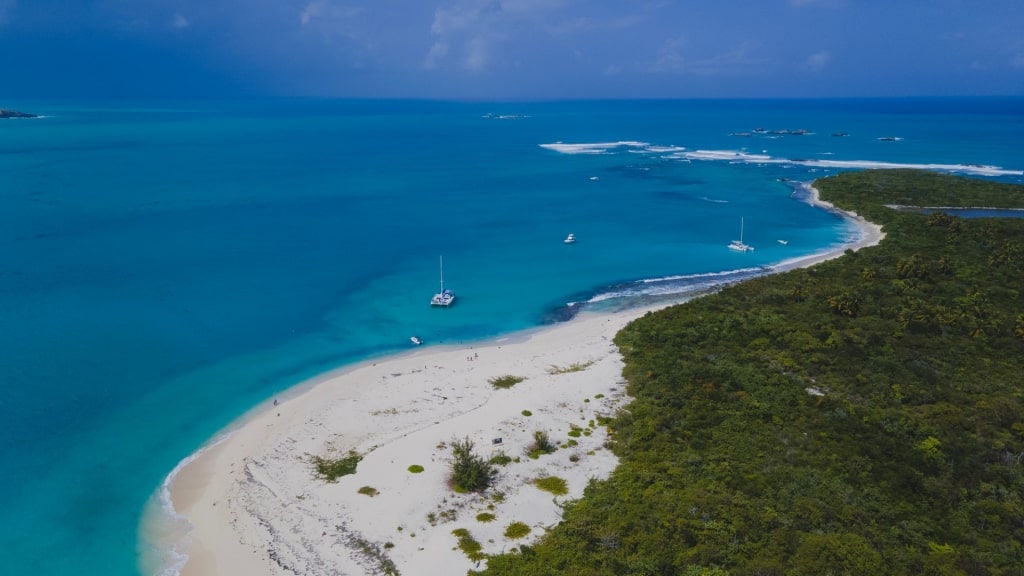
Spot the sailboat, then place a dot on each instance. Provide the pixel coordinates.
(738, 245)
(444, 297)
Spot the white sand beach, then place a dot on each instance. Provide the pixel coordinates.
(869, 234)
(257, 508)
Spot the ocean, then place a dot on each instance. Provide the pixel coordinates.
(167, 266)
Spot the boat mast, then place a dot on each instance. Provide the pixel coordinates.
(441, 262)
(741, 229)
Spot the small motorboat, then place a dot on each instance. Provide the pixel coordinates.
(783, 242)
(570, 239)
(416, 340)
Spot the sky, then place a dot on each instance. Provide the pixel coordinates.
(510, 49)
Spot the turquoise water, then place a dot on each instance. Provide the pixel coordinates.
(165, 267)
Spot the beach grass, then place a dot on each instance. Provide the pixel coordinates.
(542, 444)
(554, 484)
(330, 469)
(506, 381)
(574, 367)
(501, 459)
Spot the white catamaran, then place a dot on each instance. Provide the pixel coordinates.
(738, 245)
(444, 297)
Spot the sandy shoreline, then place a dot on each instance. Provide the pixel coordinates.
(256, 508)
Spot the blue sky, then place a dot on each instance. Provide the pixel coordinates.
(510, 49)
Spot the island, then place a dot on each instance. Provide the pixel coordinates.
(15, 114)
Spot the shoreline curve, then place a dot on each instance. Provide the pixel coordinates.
(251, 496)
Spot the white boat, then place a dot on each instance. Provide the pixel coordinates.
(570, 239)
(416, 340)
(444, 297)
(783, 242)
(738, 245)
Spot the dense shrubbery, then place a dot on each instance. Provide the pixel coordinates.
(865, 416)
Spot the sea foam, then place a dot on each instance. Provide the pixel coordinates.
(742, 156)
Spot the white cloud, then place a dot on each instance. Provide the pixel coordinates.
(467, 33)
(325, 12)
(311, 11)
(470, 25)
(670, 57)
(477, 52)
(673, 60)
(818, 61)
(179, 21)
(437, 53)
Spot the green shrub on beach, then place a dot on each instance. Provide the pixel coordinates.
(415, 468)
(331, 469)
(369, 491)
(485, 517)
(527, 413)
(470, 472)
(501, 459)
(507, 381)
(469, 546)
(516, 530)
(554, 484)
(542, 444)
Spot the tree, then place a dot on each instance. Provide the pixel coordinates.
(470, 472)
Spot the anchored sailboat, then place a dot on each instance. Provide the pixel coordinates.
(738, 245)
(444, 297)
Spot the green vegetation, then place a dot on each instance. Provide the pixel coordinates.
(517, 530)
(469, 546)
(527, 413)
(501, 459)
(864, 416)
(574, 367)
(369, 491)
(502, 382)
(470, 472)
(485, 517)
(415, 468)
(553, 484)
(374, 555)
(331, 469)
(541, 445)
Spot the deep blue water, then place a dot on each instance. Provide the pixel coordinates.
(165, 267)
